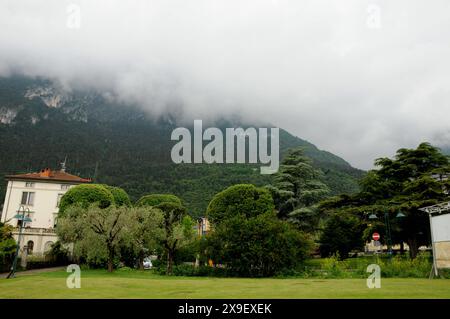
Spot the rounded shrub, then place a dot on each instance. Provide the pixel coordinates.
(157, 199)
(121, 197)
(246, 199)
(85, 195)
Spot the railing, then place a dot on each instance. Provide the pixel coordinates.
(36, 230)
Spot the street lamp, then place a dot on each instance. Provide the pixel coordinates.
(20, 217)
(400, 215)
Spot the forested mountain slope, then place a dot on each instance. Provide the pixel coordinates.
(40, 125)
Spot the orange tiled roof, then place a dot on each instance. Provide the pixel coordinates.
(48, 175)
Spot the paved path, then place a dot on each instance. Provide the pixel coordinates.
(33, 271)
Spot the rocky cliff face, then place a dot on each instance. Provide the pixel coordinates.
(7, 115)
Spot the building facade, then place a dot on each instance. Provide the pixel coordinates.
(203, 227)
(39, 195)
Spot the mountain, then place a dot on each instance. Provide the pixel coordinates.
(41, 124)
(445, 150)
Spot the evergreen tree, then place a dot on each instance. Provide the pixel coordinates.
(296, 189)
(415, 178)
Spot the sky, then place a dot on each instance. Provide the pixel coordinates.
(357, 78)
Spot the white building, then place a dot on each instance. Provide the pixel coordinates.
(40, 193)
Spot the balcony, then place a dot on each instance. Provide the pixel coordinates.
(35, 231)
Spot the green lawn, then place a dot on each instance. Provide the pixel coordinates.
(137, 284)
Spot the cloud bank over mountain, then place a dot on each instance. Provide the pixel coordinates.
(358, 78)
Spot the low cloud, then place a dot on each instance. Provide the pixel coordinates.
(357, 78)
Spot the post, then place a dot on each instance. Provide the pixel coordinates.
(12, 274)
(388, 232)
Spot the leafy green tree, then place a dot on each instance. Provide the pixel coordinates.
(177, 230)
(156, 199)
(121, 197)
(257, 246)
(85, 195)
(342, 234)
(96, 233)
(245, 199)
(7, 246)
(144, 234)
(248, 237)
(297, 188)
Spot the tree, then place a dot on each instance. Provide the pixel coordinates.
(342, 234)
(85, 195)
(177, 230)
(121, 197)
(257, 246)
(296, 189)
(415, 178)
(7, 246)
(96, 233)
(245, 199)
(156, 199)
(248, 237)
(145, 232)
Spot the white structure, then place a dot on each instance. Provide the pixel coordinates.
(40, 193)
(440, 235)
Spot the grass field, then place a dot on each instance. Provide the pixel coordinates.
(139, 284)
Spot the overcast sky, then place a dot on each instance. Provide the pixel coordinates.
(357, 78)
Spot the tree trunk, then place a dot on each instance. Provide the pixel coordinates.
(169, 262)
(413, 248)
(110, 261)
(141, 260)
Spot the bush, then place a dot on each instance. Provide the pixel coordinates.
(246, 199)
(7, 247)
(187, 253)
(342, 234)
(402, 267)
(157, 199)
(85, 195)
(58, 254)
(333, 267)
(121, 197)
(257, 247)
(38, 262)
(398, 267)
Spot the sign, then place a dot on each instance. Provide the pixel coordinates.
(440, 227)
(375, 236)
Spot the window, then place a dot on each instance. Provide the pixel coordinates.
(58, 199)
(30, 246)
(29, 184)
(65, 186)
(27, 198)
